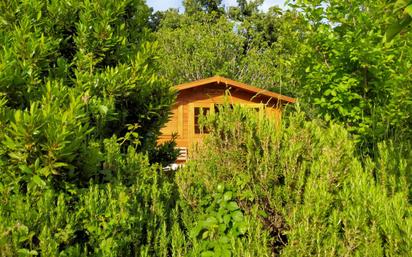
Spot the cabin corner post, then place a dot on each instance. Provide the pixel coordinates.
(190, 125)
(180, 123)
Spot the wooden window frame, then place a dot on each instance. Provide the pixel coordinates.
(191, 121)
(197, 112)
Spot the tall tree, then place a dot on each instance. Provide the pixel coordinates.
(244, 9)
(207, 6)
(195, 47)
(349, 75)
(237, 44)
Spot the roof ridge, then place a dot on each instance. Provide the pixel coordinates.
(227, 81)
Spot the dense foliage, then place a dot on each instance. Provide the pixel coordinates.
(110, 219)
(350, 74)
(302, 182)
(81, 58)
(332, 55)
(196, 45)
(85, 87)
(81, 106)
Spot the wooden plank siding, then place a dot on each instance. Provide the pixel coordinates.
(207, 95)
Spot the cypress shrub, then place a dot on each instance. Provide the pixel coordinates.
(110, 219)
(301, 181)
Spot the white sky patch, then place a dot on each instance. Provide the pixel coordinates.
(269, 3)
(229, 2)
(162, 5)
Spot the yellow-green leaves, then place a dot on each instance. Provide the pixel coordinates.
(397, 27)
(221, 223)
(310, 192)
(403, 15)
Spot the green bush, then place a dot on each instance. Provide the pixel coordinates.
(303, 183)
(81, 105)
(96, 52)
(80, 110)
(222, 220)
(111, 219)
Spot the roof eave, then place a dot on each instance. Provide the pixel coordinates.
(249, 88)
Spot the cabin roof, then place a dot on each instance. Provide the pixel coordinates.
(232, 83)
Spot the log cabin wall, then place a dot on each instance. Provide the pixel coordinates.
(182, 119)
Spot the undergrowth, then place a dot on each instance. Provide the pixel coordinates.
(303, 184)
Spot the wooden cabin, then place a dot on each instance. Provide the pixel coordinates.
(203, 96)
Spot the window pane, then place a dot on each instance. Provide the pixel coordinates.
(220, 106)
(197, 113)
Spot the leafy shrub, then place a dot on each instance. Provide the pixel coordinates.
(302, 182)
(347, 72)
(111, 219)
(222, 221)
(97, 53)
(80, 110)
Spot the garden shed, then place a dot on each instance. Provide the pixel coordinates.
(203, 96)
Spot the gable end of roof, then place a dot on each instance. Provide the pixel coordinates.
(229, 82)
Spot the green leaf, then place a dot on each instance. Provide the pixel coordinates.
(222, 228)
(263, 213)
(209, 222)
(237, 216)
(227, 218)
(224, 240)
(25, 169)
(226, 253)
(60, 164)
(17, 156)
(227, 196)
(232, 206)
(205, 234)
(38, 181)
(208, 254)
(27, 252)
(103, 109)
(242, 228)
(401, 4)
(397, 27)
(408, 10)
(23, 230)
(220, 188)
